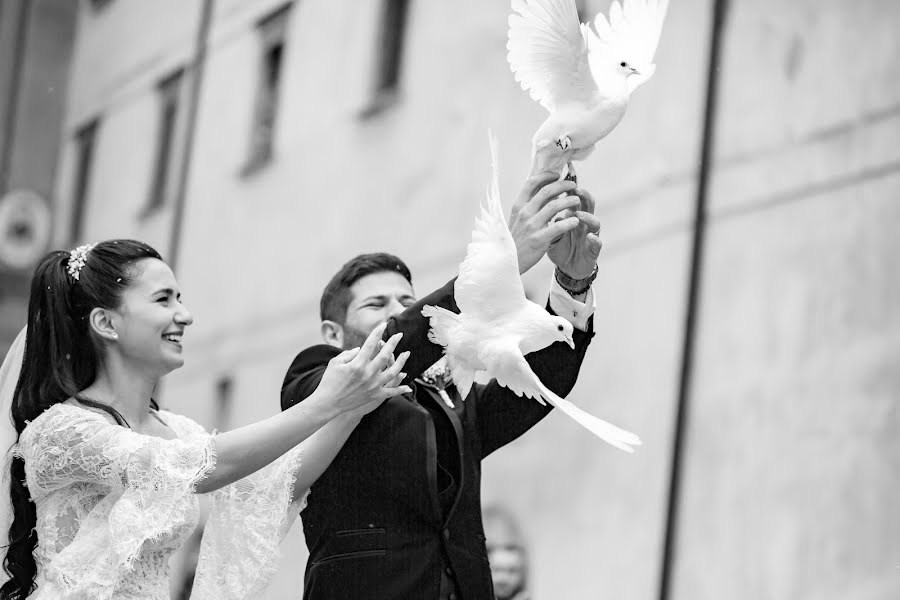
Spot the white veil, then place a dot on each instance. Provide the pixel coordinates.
(9, 376)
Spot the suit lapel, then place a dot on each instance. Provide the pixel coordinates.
(435, 397)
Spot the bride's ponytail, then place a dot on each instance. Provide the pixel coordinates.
(61, 359)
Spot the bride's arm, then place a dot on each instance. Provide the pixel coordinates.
(352, 380)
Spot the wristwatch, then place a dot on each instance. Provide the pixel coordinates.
(575, 287)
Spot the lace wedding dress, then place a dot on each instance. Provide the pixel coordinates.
(114, 505)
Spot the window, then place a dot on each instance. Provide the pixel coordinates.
(84, 141)
(583, 9)
(224, 389)
(389, 55)
(100, 4)
(272, 32)
(169, 91)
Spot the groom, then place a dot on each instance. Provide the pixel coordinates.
(397, 515)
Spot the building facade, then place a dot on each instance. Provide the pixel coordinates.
(261, 144)
(35, 43)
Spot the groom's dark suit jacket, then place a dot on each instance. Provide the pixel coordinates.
(399, 509)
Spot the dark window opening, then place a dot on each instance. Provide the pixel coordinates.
(272, 31)
(584, 14)
(169, 92)
(100, 4)
(224, 403)
(389, 59)
(85, 139)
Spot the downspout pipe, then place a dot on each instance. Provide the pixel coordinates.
(193, 103)
(676, 469)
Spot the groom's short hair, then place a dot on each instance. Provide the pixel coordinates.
(336, 296)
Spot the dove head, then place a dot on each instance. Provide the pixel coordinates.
(633, 67)
(557, 329)
(627, 68)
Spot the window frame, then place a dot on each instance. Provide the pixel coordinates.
(85, 139)
(272, 34)
(169, 92)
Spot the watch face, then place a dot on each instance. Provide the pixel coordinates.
(24, 228)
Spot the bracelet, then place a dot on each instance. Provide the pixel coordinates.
(575, 287)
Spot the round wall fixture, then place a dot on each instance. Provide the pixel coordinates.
(24, 228)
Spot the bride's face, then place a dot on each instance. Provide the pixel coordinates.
(151, 320)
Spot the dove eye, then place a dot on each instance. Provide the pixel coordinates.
(559, 327)
(623, 64)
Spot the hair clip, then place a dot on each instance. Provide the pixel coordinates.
(77, 258)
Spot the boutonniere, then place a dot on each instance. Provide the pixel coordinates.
(439, 377)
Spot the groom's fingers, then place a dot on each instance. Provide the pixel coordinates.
(556, 229)
(533, 185)
(557, 205)
(587, 200)
(590, 221)
(550, 191)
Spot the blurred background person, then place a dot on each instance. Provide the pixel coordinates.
(507, 553)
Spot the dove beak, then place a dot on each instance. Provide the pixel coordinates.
(570, 342)
(634, 71)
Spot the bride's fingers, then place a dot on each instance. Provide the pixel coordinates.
(346, 356)
(390, 392)
(370, 346)
(390, 358)
(389, 374)
(386, 356)
(396, 381)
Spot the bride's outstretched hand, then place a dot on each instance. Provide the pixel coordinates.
(366, 375)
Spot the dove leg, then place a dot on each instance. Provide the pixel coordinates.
(570, 173)
(564, 143)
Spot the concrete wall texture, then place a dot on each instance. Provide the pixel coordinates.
(790, 470)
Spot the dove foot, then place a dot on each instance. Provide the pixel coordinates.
(570, 173)
(564, 143)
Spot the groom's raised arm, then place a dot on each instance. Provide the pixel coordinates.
(533, 231)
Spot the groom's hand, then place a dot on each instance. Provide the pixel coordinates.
(531, 220)
(575, 253)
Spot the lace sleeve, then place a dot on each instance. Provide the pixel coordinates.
(151, 482)
(248, 519)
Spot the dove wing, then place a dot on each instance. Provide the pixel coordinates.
(507, 365)
(548, 52)
(632, 31)
(489, 285)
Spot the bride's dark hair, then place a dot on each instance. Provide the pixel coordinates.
(61, 358)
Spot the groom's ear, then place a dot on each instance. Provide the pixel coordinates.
(333, 334)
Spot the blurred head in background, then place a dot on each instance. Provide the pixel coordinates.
(507, 554)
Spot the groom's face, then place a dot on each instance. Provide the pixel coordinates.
(374, 299)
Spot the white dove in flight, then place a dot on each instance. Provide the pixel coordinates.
(584, 79)
(497, 325)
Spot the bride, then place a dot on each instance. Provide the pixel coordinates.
(104, 485)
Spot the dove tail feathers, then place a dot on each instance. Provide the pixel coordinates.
(609, 433)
